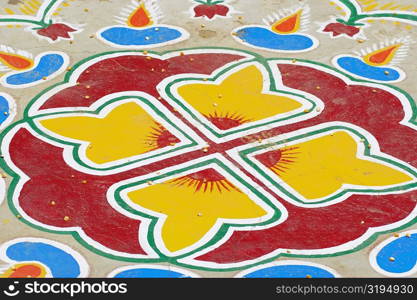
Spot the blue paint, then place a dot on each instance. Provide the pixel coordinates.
(404, 250)
(61, 264)
(4, 109)
(149, 273)
(267, 39)
(125, 36)
(48, 65)
(290, 271)
(359, 67)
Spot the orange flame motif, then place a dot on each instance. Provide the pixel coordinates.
(288, 24)
(25, 270)
(382, 56)
(140, 17)
(15, 61)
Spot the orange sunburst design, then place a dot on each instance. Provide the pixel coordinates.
(279, 160)
(225, 121)
(160, 137)
(208, 180)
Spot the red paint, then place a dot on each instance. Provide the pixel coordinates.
(372, 109)
(85, 203)
(55, 31)
(337, 29)
(209, 11)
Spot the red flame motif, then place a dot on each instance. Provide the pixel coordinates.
(209, 11)
(55, 31)
(337, 29)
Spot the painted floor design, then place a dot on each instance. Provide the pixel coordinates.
(208, 138)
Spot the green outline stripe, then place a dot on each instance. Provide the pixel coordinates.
(212, 129)
(244, 155)
(224, 228)
(76, 146)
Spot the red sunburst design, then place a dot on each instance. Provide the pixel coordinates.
(160, 137)
(225, 121)
(278, 160)
(207, 180)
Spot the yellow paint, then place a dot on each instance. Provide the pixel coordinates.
(376, 5)
(191, 214)
(370, 7)
(240, 93)
(387, 6)
(321, 166)
(9, 11)
(29, 9)
(24, 10)
(122, 133)
(32, 4)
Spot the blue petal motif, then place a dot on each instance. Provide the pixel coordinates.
(358, 67)
(48, 65)
(403, 250)
(61, 264)
(269, 40)
(4, 110)
(149, 273)
(125, 36)
(290, 271)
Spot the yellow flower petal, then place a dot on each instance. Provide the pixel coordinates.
(240, 95)
(320, 167)
(193, 206)
(125, 131)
